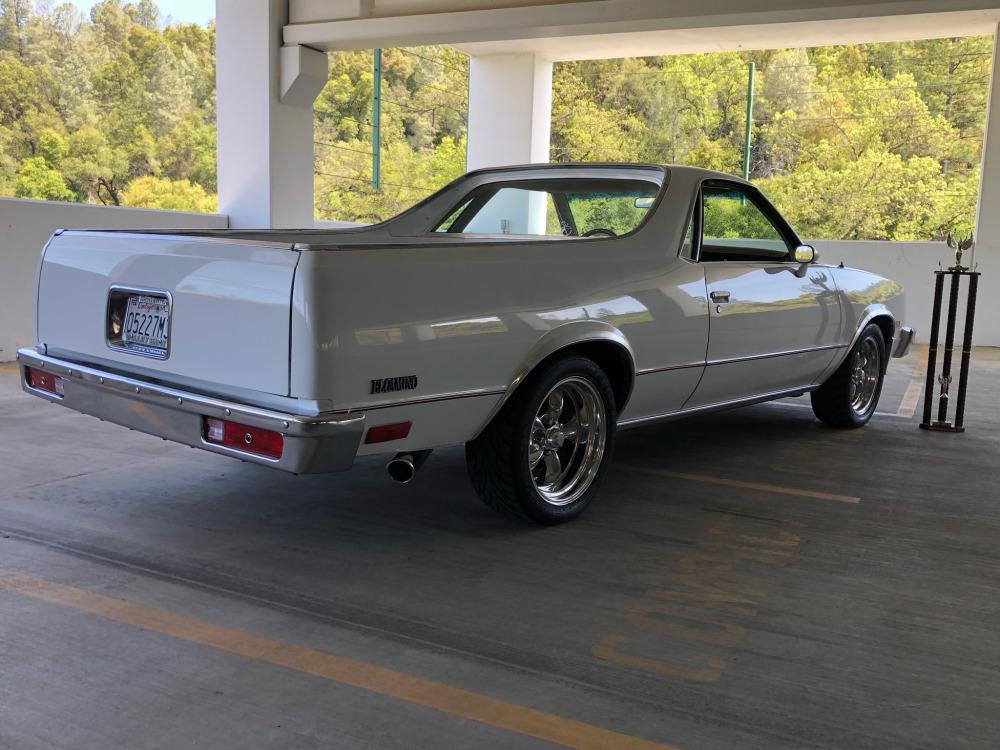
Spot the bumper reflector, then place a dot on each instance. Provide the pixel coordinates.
(44, 381)
(383, 433)
(243, 437)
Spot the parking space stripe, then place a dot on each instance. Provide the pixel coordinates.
(381, 680)
(911, 398)
(908, 406)
(775, 488)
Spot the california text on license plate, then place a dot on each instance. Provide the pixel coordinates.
(147, 323)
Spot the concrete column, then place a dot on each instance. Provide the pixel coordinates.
(510, 110)
(987, 250)
(510, 113)
(265, 146)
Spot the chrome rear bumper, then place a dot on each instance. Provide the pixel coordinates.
(311, 444)
(901, 344)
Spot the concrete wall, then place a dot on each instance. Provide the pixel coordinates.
(26, 225)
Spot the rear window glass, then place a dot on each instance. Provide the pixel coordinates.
(553, 208)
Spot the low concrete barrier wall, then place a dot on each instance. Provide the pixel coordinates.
(912, 264)
(26, 225)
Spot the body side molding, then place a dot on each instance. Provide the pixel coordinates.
(718, 406)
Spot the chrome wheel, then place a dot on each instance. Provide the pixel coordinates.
(866, 369)
(566, 441)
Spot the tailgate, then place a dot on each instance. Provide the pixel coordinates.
(227, 301)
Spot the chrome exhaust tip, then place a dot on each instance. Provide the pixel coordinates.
(403, 466)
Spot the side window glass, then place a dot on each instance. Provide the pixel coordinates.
(735, 229)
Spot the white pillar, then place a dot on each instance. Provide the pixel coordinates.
(510, 114)
(987, 250)
(510, 110)
(265, 146)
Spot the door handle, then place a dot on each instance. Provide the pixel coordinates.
(719, 296)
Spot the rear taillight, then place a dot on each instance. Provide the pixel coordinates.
(43, 381)
(260, 442)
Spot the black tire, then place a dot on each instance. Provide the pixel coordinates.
(498, 461)
(834, 402)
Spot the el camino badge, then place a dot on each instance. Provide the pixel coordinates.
(388, 385)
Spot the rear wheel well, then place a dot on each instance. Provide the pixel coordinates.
(888, 328)
(613, 358)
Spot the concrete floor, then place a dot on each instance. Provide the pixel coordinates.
(748, 580)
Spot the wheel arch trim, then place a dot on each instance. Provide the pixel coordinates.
(563, 338)
(873, 311)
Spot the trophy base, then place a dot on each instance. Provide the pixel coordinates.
(941, 427)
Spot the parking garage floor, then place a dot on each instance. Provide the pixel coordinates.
(747, 580)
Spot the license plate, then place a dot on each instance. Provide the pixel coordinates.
(146, 324)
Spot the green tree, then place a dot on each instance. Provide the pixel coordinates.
(14, 15)
(160, 192)
(873, 141)
(38, 179)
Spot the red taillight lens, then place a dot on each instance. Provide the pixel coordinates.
(243, 437)
(44, 381)
(383, 433)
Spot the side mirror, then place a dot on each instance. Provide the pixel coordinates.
(805, 254)
(644, 202)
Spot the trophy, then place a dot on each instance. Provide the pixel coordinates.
(959, 246)
(945, 379)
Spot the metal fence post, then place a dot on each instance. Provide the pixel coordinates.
(963, 374)
(377, 119)
(748, 133)
(932, 347)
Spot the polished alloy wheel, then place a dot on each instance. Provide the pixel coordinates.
(566, 441)
(866, 368)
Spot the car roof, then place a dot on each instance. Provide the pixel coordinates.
(697, 172)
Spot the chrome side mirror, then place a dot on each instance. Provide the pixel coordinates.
(805, 254)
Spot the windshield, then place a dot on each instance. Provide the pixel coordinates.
(573, 207)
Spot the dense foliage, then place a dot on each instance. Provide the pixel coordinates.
(852, 142)
(424, 105)
(115, 109)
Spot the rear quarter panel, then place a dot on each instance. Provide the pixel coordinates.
(464, 317)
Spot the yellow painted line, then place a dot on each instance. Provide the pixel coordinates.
(416, 690)
(911, 397)
(908, 406)
(921, 368)
(775, 488)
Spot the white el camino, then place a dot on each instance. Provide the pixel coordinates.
(526, 312)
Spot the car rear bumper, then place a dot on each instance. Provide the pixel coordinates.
(310, 444)
(901, 344)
